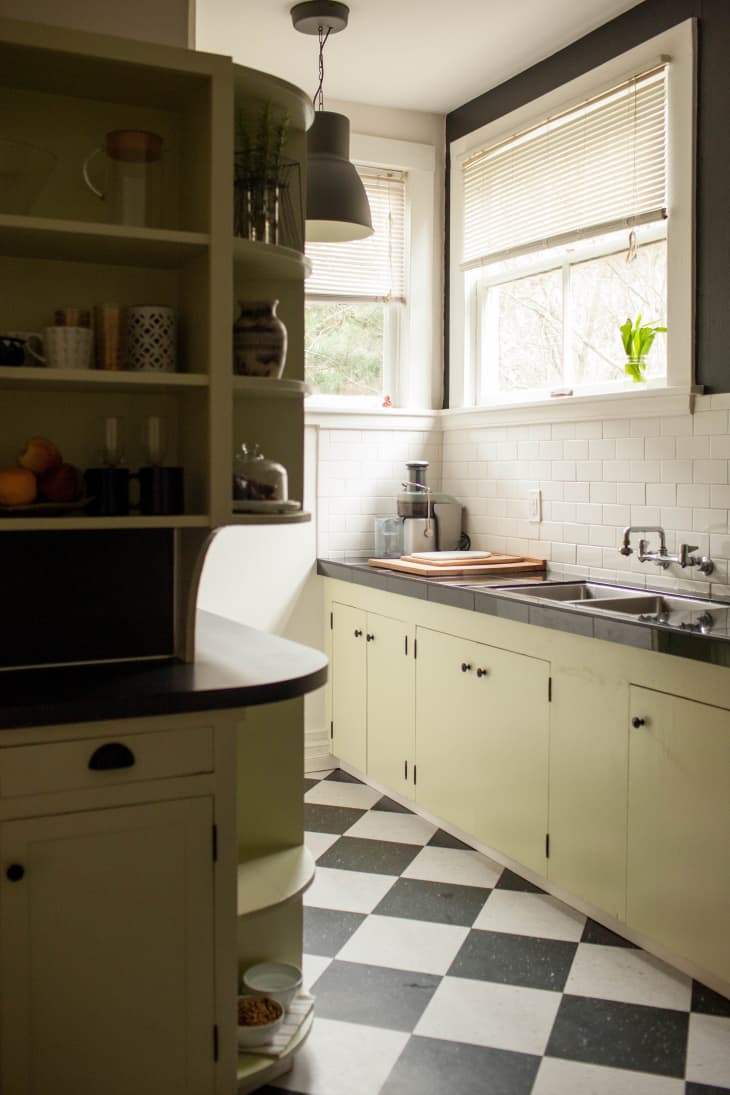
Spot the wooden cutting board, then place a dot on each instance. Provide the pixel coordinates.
(496, 564)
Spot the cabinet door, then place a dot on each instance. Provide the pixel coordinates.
(448, 777)
(106, 952)
(390, 703)
(589, 744)
(513, 729)
(678, 887)
(349, 684)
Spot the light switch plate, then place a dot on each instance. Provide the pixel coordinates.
(534, 506)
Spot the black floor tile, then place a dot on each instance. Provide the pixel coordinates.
(339, 775)
(604, 1032)
(327, 930)
(391, 806)
(373, 856)
(442, 839)
(309, 783)
(428, 1066)
(593, 932)
(514, 960)
(510, 881)
(372, 995)
(329, 819)
(439, 902)
(705, 1089)
(708, 1001)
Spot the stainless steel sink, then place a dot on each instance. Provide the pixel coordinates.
(686, 613)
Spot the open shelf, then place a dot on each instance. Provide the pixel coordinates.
(84, 241)
(28, 378)
(254, 1069)
(265, 387)
(81, 523)
(270, 260)
(271, 879)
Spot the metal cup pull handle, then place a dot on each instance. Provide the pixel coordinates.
(87, 179)
(114, 754)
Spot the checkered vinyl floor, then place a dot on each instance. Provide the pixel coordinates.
(437, 971)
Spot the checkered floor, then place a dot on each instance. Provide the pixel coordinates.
(436, 971)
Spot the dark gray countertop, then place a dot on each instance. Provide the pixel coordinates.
(235, 666)
(482, 594)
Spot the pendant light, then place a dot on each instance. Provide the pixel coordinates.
(337, 205)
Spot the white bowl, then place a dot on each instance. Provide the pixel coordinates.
(279, 980)
(258, 1033)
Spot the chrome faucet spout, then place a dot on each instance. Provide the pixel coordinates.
(626, 548)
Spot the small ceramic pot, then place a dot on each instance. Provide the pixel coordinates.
(259, 340)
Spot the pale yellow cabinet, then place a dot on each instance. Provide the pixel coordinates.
(106, 951)
(678, 879)
(589, 743)
(482, 717)
(372, 695)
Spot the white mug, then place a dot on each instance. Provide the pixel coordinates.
(66, 348)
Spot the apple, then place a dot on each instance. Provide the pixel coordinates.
(60, 484)
(40, 455)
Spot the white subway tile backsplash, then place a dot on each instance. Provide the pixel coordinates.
(602, 450)
(706, 422)
(675, 518)
(553, 491)
(720, 446)
(630, 448)
(589, 514)
(660, 448)
(574, 492)
(617, 427)
(719, 496)
(644, 515)
(604, 535)
(589, 556)
(676, 471)
(575, 450)
(603, 492)
(551, 450)
(694, 494)
(693, 448)
(661, 494)
(645, 471)
(709, 520)
(617, 515)
(563, 431)
(617, 470)
(678, 426)
(589, 470)
(710, 471)
(563, 553)
(645, 427)
(564, 469)
(631, 494)
(577, 534)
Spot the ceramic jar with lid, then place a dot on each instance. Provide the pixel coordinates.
(256, 478)
(259, 340)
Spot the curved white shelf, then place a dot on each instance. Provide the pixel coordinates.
(270, 260)
(269, 880)
(299, 518)
(80, 522)
(85, 241)
(250, 84)
(109, 380)
(265, 387)
(254, 1070)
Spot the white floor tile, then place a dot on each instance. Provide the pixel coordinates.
(401, 828)
(404, 944)
(343, 1057)
(331, 792)
(557, 1077)
(624, 974)
(313, 966)
(486, 1014)
(349, 891)
(530, 914)
(708, 1050)
(318, 843)
(453, 865)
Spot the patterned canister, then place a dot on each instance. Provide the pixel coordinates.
(152, 339)
(259, 340)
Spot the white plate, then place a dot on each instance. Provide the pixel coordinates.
(448, 556)
(247, 506)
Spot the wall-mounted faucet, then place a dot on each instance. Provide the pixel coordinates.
(662, 557)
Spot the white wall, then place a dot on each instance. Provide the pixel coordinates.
(165, 21)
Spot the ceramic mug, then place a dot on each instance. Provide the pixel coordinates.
(152, 339)
(32, 345)
(66, 348)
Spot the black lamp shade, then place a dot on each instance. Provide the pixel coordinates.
(337, 205)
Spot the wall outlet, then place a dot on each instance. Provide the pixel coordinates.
(534, 506)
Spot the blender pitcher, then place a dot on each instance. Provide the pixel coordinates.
(132, 169)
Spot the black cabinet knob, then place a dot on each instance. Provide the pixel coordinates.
(357, 633)
(481, 672)
(370, 638)
(636, 722)
(15, 872)
(113, 754)
(465, 667)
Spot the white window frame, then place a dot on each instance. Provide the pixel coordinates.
(678, 44)
(411, 332)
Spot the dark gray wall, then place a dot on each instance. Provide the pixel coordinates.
(713, 148)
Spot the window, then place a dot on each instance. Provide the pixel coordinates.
(568, 221)
(355, 298)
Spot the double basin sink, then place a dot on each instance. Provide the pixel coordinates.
(672, 610)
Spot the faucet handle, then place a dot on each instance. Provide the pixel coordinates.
(684, 552)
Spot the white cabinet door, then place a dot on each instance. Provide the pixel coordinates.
(106, 952)
(390, 703)
(678, 885)
(349, 685)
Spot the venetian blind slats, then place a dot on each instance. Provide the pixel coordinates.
(370, 269)
(602, 162)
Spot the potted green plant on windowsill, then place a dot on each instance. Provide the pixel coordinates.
(637, 338)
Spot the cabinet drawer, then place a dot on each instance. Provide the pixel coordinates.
(105, 762)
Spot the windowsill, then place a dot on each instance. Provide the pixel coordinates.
(328, 415)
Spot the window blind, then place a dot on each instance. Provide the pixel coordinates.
(599, 165)
(374, 268)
